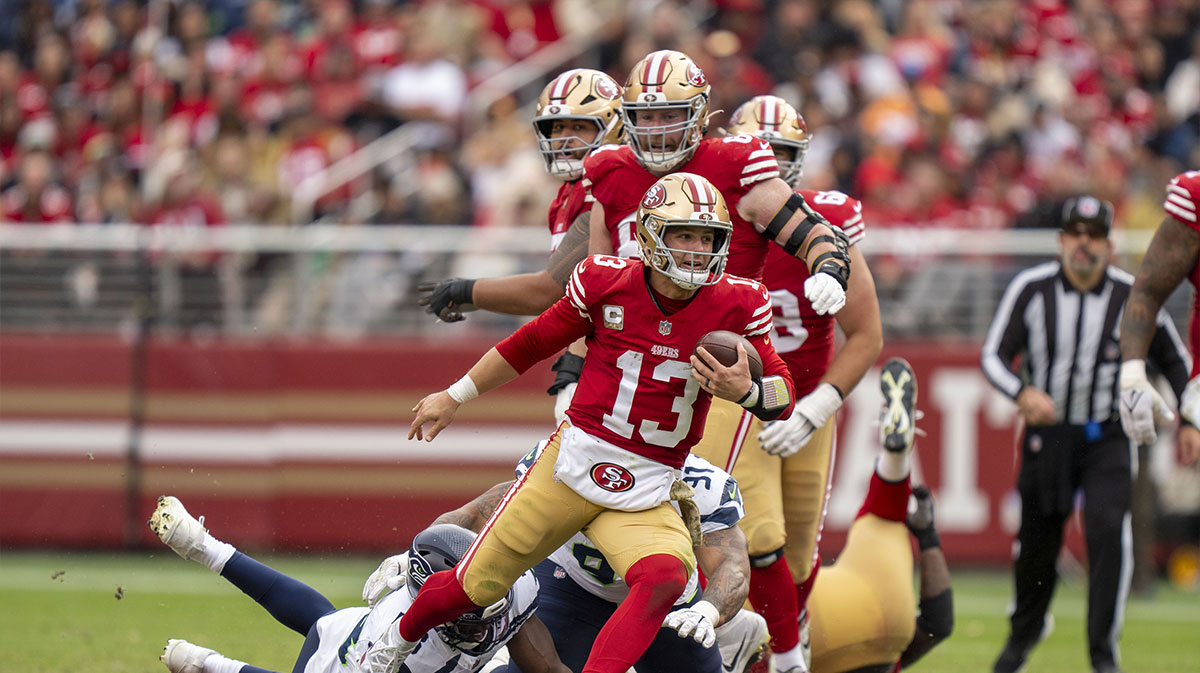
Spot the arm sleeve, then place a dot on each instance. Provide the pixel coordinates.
(1169, 354)
(545, 335)
(1006, 338)
(934, 625)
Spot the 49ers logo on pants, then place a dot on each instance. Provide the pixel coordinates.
(612, 477)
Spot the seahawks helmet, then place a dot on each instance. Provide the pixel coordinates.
(439, 548)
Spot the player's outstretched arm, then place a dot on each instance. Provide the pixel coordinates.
(1173, 252)
(935, 621)
(532, 649)
(861, 324)
(521, 294)
(784, 217)
(725, 563)
(491, 371)
(474, 514)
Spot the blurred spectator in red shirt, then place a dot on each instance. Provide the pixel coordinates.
(264, 96)
(37, 197)
(524, 26)
(378, 38)
(37, 89)
(240, 53)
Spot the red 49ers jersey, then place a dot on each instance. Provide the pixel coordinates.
(1183, 197)
(572, 199)
(802, 338)
(636, 390)
(733, 164)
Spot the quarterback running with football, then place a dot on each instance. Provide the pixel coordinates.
(337, 641)
(611, 467)
(1174, 255)
(785, 469)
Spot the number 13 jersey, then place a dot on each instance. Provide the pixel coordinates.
(636, 390)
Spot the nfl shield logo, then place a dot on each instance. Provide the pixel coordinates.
(664, 327)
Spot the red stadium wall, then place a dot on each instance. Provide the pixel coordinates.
(302, 445)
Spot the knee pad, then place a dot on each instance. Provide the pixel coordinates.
(766, 560)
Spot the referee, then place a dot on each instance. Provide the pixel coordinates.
(1063, 317)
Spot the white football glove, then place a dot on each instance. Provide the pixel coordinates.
(1189, 402)
(813, 411)
(386, 655)
(697, 621)
(825, 293)
(1140, 405)
(562, 401)
(389, 576)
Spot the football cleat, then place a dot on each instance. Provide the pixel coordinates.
(180, 531)
(899, 387)
(742, 641)
(180, 656)
(806, 638)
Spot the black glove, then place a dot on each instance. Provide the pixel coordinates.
(447, 299)
(567, 369)
(920, 521)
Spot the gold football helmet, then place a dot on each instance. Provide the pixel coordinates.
(683, 199)
(774, 120)
(579, 94)
(665, 80)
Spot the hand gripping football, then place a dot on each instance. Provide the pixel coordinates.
(722, 345)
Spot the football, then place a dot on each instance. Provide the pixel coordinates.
(722, 345)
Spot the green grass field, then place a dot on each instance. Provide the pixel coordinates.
(76, 623)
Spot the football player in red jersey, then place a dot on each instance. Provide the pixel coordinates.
(611, 467)
(665, 110)
(1174, 254)
(670, 98)
(785, 484)
(576, 113)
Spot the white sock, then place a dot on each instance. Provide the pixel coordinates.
(893, 466)
(219, 663)
(217, 554)
(791, 661)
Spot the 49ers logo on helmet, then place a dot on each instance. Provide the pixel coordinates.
(695, 76)
(654, 196)
(607, 88)
(612, 477)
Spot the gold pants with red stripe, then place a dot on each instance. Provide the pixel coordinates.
(862, 606)
(539, 514)
(784, 499)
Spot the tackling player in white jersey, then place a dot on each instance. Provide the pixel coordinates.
(339, 641)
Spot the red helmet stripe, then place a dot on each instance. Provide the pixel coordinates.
(656, 70)
(769, 112)
(701, 193)
(562, 85)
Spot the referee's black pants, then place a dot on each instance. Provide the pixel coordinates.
(1057, 461)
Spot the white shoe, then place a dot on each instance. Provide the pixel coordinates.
(742, 641)
(805, 639)
(180, 656)
(177, 529)
(899, 387)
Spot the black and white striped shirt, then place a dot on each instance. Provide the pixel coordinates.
(1071, 342)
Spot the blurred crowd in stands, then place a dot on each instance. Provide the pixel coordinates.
(933, 112)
